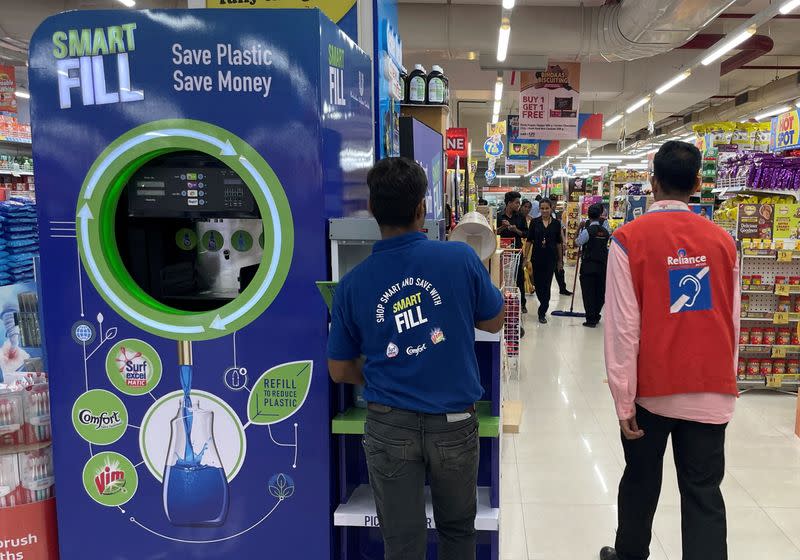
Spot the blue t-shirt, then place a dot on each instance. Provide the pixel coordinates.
(410, 309)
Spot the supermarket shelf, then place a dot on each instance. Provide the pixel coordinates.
(772, 257)
(23, 142)
(758, 292)
(24, 448)
(352, 420)
(769, 319)
(432, 105)
(359, 510)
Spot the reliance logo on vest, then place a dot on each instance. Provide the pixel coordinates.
(682, 259)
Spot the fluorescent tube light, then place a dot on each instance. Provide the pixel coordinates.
(673, 82)
(498, 90)
(643, 101)
(509, 4)
(601, 161)
(496, 109)
(22, 94)
(502, 40)
(612, 120)
(728, 45)
(127, 3)
(495, 118)
(773, 112)
(789, 6)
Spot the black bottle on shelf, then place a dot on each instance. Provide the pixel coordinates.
(416, 88)
(438, 90)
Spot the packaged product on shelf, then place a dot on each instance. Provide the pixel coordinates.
(793, 367)
(745, 305)
(10, 488)
(795, 338)
(783, 337)
(757, 280)
(784, 302)
(36, 472)
(778, 367)
(747, 281)
(753, 367)
(794, 280)
(744, 336)
(756, 335)
(741, 369)
(12, 417)
(769, 336)
(766, 367)
(780, 280)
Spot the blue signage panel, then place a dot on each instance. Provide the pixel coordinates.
(186, 164)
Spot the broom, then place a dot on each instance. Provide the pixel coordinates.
(572, 312)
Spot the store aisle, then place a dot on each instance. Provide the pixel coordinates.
(560, 474)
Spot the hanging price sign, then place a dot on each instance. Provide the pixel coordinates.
(785, 256)
(782, 289)
(778, 351)
(774, 381)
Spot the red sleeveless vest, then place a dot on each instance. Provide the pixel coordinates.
(682, 268)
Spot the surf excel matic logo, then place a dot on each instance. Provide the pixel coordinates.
(689, 283)
(336, 74)
(81, 58)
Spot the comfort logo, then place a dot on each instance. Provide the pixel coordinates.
(684, 260)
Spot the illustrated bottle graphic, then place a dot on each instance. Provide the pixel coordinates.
(195, 485)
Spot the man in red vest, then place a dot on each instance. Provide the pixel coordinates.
(672, 310)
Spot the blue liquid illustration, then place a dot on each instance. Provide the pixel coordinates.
(195, 493)
(196, 496)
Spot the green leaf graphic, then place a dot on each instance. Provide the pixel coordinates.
(279, 392)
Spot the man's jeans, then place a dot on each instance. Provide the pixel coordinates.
(401, 448)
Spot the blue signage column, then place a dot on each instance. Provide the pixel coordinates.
(186, 164)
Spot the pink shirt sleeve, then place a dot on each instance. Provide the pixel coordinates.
(622, 332)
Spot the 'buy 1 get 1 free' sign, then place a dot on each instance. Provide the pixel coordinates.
(785, 132)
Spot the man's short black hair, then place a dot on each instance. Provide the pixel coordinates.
(538, 198)
(676, 166)
(396, 187)
(511, 196)
(483, 202)
(595, 211)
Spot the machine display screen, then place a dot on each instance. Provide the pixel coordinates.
(189, 184)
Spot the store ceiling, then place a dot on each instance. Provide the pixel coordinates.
(469, 30)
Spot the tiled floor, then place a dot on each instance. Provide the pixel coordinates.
(560, 473)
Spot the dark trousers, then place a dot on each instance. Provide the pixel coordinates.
(562, 280)
(401, 448)
(521, 284)
(544, 268)
(593, 288)
(699, 451)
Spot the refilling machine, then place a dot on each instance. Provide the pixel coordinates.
(187, 164)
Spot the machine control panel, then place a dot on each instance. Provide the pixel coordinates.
(161, 191)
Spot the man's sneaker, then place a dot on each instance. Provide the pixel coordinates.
(524, 309)
(565, 293)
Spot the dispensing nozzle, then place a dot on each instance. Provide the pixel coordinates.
(184, 352)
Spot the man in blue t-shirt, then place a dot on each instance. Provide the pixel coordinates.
(410, 309)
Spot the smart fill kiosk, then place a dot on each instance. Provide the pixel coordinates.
(186, 165)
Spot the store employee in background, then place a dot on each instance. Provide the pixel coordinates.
(411, 309)
(511, 224)
(593, 240)
(673, 279)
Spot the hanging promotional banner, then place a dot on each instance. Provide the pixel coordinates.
(590, 126)
(495, 129)
(550, 102)
(785, 132)
(490, 176)
(8, 85)
(577, 188)
(513, 168)
(457, 142)
(494, 147)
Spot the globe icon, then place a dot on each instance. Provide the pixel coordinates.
(83, 333)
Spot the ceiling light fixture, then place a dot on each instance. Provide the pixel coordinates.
(789, 6)
(728, 45)
(581, 141)
(772, 113)
(496, 109)
(498, 89)
(509, 4)
(502, 40)
(22, 94)
(612, 120)
(673, 82)
(638, 104)
(495, 118)
(127, 3)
